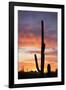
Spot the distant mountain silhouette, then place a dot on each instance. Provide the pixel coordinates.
(35, 74)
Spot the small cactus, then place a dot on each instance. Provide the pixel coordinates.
(49, 68)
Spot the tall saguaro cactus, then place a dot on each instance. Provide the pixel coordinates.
(42, 51)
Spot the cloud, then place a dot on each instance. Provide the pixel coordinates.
(32, 50)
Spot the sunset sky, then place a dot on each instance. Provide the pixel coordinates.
(29, 39)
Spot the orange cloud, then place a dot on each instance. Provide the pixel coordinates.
(29, 40)
(35, 41)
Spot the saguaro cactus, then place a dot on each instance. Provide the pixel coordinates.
(42, 51)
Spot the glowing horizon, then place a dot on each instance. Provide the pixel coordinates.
(29, 60)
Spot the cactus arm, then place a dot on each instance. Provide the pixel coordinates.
(36, 63)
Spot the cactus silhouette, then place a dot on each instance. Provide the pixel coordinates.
(42, 51)
(49, 68)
